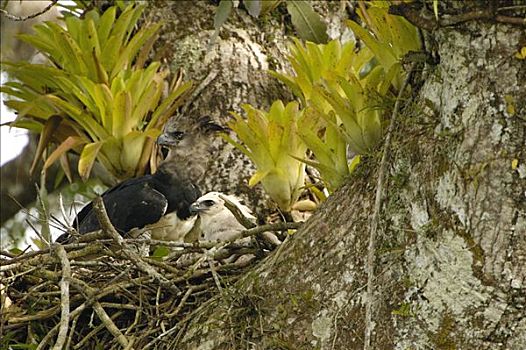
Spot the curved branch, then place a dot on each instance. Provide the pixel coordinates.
(25, 18)
(416, 17)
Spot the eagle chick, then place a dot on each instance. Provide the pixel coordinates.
(217, 223)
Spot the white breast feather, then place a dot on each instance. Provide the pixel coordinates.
(171, 228)
(218, 222)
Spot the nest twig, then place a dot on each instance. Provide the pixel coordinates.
(98, 290)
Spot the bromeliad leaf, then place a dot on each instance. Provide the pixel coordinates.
(307, 22)
(87, 159)
(253, 7)
(222, 13)
(68, 144)
(122, 114)
(50, 127)
(349, 89)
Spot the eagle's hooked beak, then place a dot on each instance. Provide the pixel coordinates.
(169, 139)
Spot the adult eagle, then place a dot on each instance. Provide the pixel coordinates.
(159, 202)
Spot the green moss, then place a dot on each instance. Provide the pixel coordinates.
(478, 257)
(404, 310)
(443, 339)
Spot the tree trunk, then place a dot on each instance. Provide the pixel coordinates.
(451, 258)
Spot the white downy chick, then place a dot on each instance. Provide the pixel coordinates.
(217, 221)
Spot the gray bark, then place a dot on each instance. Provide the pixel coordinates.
(450, 269)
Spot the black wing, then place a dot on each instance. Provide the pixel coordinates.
(131, 204)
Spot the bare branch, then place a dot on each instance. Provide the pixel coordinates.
(18, 19)
(415, 16)
(237, 213)
(110, 325)
(64, 296)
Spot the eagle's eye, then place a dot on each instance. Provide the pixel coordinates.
(177, 135)
(208, 203)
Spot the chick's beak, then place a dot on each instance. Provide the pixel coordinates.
(194, 208)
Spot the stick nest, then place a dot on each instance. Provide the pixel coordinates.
(100, 293)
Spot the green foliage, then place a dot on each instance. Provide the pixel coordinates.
(96, 98)
(329, 149)
(78, 7)
(350, 90)
(389, 38)
(271, 142)
(307, 22)
(314, 64)
(345, 94)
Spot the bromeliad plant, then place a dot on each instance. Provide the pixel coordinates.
(271, 142)
(350, 89)
(327, 143)
(389, 38)
(314, 65)
(96, 97)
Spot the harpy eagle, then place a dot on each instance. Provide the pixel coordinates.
(217, 223)
(159, 202)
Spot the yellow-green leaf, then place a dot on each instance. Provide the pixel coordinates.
(87, 159)
(132, 145)
(257, 177)
(122, 114)
(69, 143)
(50, 126)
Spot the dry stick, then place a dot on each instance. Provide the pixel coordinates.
(107, 227)
(279, 226)
(71, 332)
(214, 273)
(243, 220)
(371, 256)
(18, 19)
(64, 297)
(40, 257)
(83, 306)
(186, 295)
(414, 16)
(237, 213)
(179, 324)
(101, 293)
(110, 326)
(93, 332)
(90, 292)
(54, 330)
